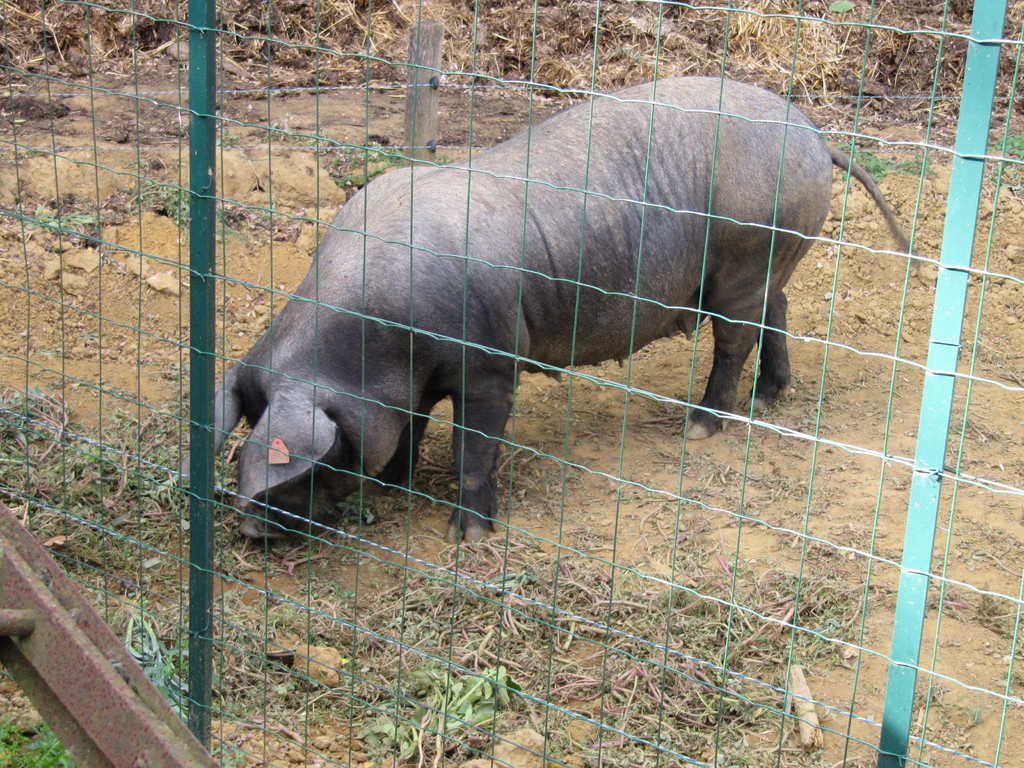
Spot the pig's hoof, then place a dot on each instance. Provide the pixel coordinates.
(251, 529)
(475, 533)
(454, 535)
(764, 399)
(699, 431)
(257, 529)
(471, 535)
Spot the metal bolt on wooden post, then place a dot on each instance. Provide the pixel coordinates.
(424, 78)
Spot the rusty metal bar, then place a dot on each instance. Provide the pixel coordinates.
(16, 623)
(76, 672)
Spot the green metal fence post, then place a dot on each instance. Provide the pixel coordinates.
(202, 244)
(937, 396)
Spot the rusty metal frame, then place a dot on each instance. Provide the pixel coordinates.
(85, 684)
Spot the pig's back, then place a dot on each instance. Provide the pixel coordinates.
(595, 219)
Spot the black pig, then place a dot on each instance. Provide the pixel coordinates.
(581, 240)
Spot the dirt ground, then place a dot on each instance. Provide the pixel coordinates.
(601, 467)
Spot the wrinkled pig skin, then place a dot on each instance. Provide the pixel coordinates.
(445, 282)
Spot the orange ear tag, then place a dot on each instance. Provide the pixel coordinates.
(278, 452)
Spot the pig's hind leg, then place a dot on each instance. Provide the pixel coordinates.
(733, 344)
(773, 373)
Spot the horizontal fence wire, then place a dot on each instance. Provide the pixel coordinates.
(646, 598)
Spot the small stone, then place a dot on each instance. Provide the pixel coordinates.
(85, 259)
(321, 663)
(322, 742)
(35, 250)
(522, 749)
(308, 238)
(581, 730)
(927, 272)
(134, 264)
(75, 284)
(940, 177)
(165, 282)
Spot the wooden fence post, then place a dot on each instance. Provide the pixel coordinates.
(421, 93)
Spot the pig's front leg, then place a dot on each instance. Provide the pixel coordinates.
(399, 470)
(481, 412)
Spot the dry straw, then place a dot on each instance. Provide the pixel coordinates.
(775, 43)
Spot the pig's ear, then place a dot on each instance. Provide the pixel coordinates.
(227, 412)
(293, 433)
(227, 409)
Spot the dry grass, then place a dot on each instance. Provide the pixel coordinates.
(537, 635)
(564, 45)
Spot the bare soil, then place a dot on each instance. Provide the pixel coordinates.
(601, 466)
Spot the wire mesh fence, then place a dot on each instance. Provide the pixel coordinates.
(645, 597)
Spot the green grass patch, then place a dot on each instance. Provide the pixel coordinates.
(170, 200)
(879, 166)
(31, 750)
(174, 202)
(354, 167)
(1012, 176)
(1014, 146)
(438, 703)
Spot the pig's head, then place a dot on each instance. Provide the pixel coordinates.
(295, 466)
(309, 448)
